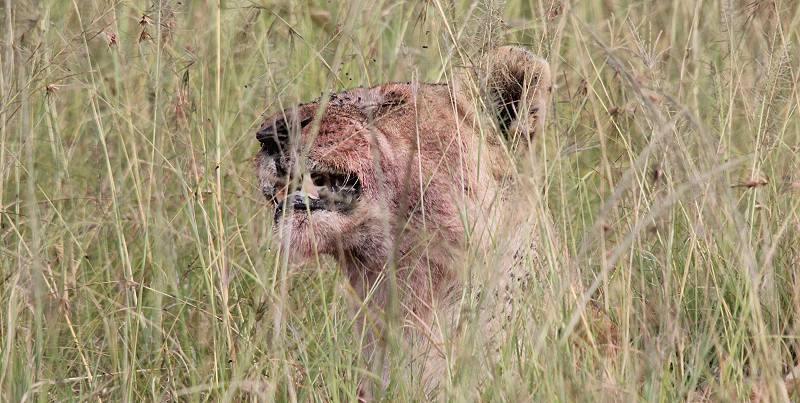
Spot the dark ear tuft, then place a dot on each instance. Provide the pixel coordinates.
(274, 133)
(516, 87)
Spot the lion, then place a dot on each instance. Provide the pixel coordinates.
(400, 182)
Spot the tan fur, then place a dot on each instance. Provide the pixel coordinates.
(432, 163)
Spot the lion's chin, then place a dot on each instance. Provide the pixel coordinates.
(303, 236)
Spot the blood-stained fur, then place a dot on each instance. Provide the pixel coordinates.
(405, 179)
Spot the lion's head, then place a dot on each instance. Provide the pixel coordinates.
(373, 174)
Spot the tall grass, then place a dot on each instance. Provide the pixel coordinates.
(137, 260)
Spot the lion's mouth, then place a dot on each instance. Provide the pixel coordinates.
(318, 191)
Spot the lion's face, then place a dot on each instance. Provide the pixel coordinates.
(329, 177)
(378, 162)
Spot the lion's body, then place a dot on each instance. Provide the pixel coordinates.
(403, 184)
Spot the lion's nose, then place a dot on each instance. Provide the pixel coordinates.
(308, 187)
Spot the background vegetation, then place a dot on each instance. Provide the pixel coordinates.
(136, 256)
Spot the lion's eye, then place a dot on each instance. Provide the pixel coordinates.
(320, 179)
(344, 182)
(338, 181)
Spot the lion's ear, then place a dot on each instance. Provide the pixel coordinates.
(276, 131)
(515, 87)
